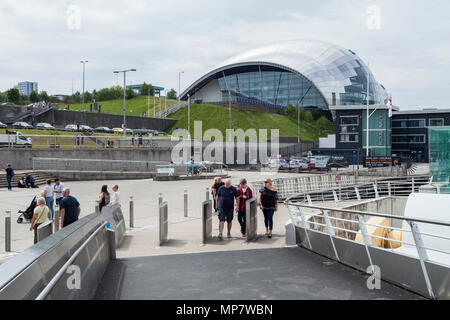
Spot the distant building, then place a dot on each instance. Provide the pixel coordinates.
(26, 87)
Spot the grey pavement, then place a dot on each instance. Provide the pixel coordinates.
(145, 193)
(273, 273)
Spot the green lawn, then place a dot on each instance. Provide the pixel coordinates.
(213, 116)
(134, 106)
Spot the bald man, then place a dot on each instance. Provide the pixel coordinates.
(225, 198)
(69, 209)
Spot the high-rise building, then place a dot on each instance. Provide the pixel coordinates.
(26, 87)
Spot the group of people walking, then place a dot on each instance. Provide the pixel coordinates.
(226, 196)
(69, 207)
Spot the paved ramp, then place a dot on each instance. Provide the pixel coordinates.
(275, 273)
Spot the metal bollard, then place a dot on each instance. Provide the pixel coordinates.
(131, 212)
(97, 208)
(56, 223)
(207, 194)
(185, 203)
(8, 231)
(160, 199)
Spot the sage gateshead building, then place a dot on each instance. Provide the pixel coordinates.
(311, 74)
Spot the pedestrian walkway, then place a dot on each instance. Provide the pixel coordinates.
(275, 273)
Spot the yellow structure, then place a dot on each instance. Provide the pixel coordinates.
(379, 231)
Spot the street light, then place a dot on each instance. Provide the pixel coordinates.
(84, 63)
(124, 98)
(179, 82)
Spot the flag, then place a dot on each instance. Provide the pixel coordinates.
(389, 104)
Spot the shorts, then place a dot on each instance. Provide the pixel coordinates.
(225, 215)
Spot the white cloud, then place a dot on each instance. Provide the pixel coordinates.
(409, 54)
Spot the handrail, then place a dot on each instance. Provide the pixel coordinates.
(63, 269)
(372, 214)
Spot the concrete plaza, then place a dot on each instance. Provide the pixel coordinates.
(184, 233)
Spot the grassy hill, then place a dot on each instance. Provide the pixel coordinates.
(214, 116)
(134, 106)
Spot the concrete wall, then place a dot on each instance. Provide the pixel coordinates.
(21, 159)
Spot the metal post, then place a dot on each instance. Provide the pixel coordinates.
(330, 231)
(112, 243)
(423, 256)
(367, 242)
(160, 198)
(131, 212)
(389, 189)
(124, 103)
(8, 231)
(56, 223)
(304, 225)
(375, 187)
(207, 194)
(97, 208)
(412, 180)
(185, 203)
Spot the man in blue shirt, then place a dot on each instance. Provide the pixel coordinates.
(190, 167)
(225, 198)
(69, 209)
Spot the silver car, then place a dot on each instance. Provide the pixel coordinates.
(44, 125)
(71, 127)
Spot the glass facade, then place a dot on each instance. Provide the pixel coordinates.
(275, 87)
(286, 71)
(439, 148)
(379, 133)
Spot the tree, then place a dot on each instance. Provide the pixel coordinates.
(2, 96)
(76, 97)
(145, 89)
(324, 125)
(43, 96)
(13, 95)
(88, 97)
(306, 115)
(34, 97)
(130, 93)
(290, 111)
(172, 94)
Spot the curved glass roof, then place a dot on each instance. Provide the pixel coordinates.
(338, 73)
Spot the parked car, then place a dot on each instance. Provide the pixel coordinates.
(44, 125)
(22, 125)
(2, 125)
(71, 127)
(83, 128)
(161, 134)
(300, 163)
(8, 104)
(104, 129)
(279, 164)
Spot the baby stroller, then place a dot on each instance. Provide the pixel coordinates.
(28, 213)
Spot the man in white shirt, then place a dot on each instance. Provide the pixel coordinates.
(59, 187)
(115, 197)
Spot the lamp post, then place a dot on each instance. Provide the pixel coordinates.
(124, 98)
(179, 83)
(189, 115)
(84, 64)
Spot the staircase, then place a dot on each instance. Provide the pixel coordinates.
(171, 110)
(39, 178)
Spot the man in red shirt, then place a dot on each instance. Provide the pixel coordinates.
(245, 193)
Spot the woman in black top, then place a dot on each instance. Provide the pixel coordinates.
(104, 197)
(268, 201)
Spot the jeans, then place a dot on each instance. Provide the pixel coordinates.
(242, 221)
(49, 203)
(9, 178)
(268, 217)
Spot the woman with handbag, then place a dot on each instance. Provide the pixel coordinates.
(41, 214)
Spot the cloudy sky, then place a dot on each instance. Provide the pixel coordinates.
(406, 42)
